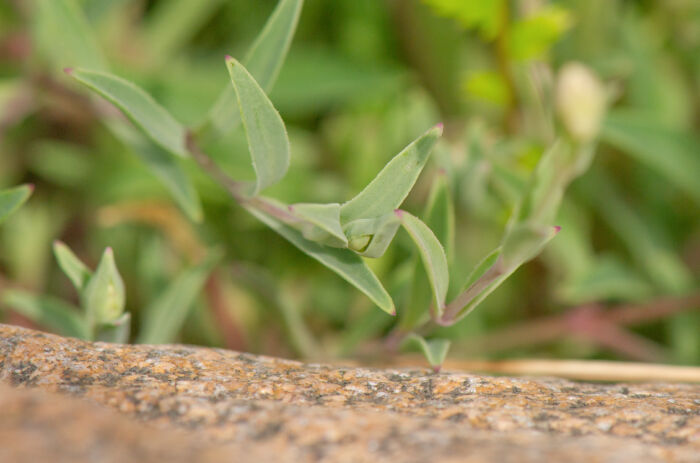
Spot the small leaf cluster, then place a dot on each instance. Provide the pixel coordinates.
(182, 166)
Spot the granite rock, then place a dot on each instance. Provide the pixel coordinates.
(177, 401)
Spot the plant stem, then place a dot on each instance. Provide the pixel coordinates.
(451, 314)
(235, 188)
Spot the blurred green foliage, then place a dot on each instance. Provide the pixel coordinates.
(362, 79)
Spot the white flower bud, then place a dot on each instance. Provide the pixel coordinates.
(580, 101)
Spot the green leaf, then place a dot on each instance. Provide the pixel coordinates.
(432, 254)
(371, 237)
(488, 86)
(52, 313)
(524, 242)
(164, 317)
(115, 331)
(320, 223)
(173, 23)
(73, 267)
(165, 167)
(435, 350)
(482, 267)
(439, 213)
(12, 198)
(670, 152)
(533, 36)
(64, 35)
(103, 298)
(140, 107)
(344, 262)
(485, 15)
(393, 183)
(439, 217)
(263, 61)
(265, 131)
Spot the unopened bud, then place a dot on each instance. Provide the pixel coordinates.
(580, 101)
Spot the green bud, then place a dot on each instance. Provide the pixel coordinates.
(103, 298)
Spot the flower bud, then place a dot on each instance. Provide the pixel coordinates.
(580, 101)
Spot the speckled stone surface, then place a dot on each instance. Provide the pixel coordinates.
(224, 404)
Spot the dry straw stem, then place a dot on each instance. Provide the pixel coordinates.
(585, 370)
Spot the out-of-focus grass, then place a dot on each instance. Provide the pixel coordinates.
(363, 77)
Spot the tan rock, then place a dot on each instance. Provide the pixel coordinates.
(228, 406)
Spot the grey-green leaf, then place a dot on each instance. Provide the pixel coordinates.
(440, 215)
(12, 198)
(64, 35)
(49, 312)
(390, 187)
(73, 267)
(320, 223)
(103, 297)
(371, 237)
(171, 24)
(432, 254)
(523, 242)
(140, 107)
(435, 350)
(263, 61)
(344, 262)
(267, 137)
(164, 317)
(166, 167)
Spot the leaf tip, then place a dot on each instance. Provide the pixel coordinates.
(228, 57)
(557, 229)
(440, 127)
(68, 71)
(31, 187)
(393, 312)
(398, 213)
(437, 368)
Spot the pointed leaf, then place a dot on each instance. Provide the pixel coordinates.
(393, 183)
(73, 267)
(12, 198)
(165, 167)
(263, 61)
(140, 107)
(344, 262)
(116, 331)
(524, 242)
(439, 215)
(164, 317)
(65, 36)
(103, 298)
(371, 237)
(320, 223)
(431, 253)
(52, 313)
(171, 24)
(267, 137)
(435, 350)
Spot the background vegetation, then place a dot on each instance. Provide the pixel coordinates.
(362, 79)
